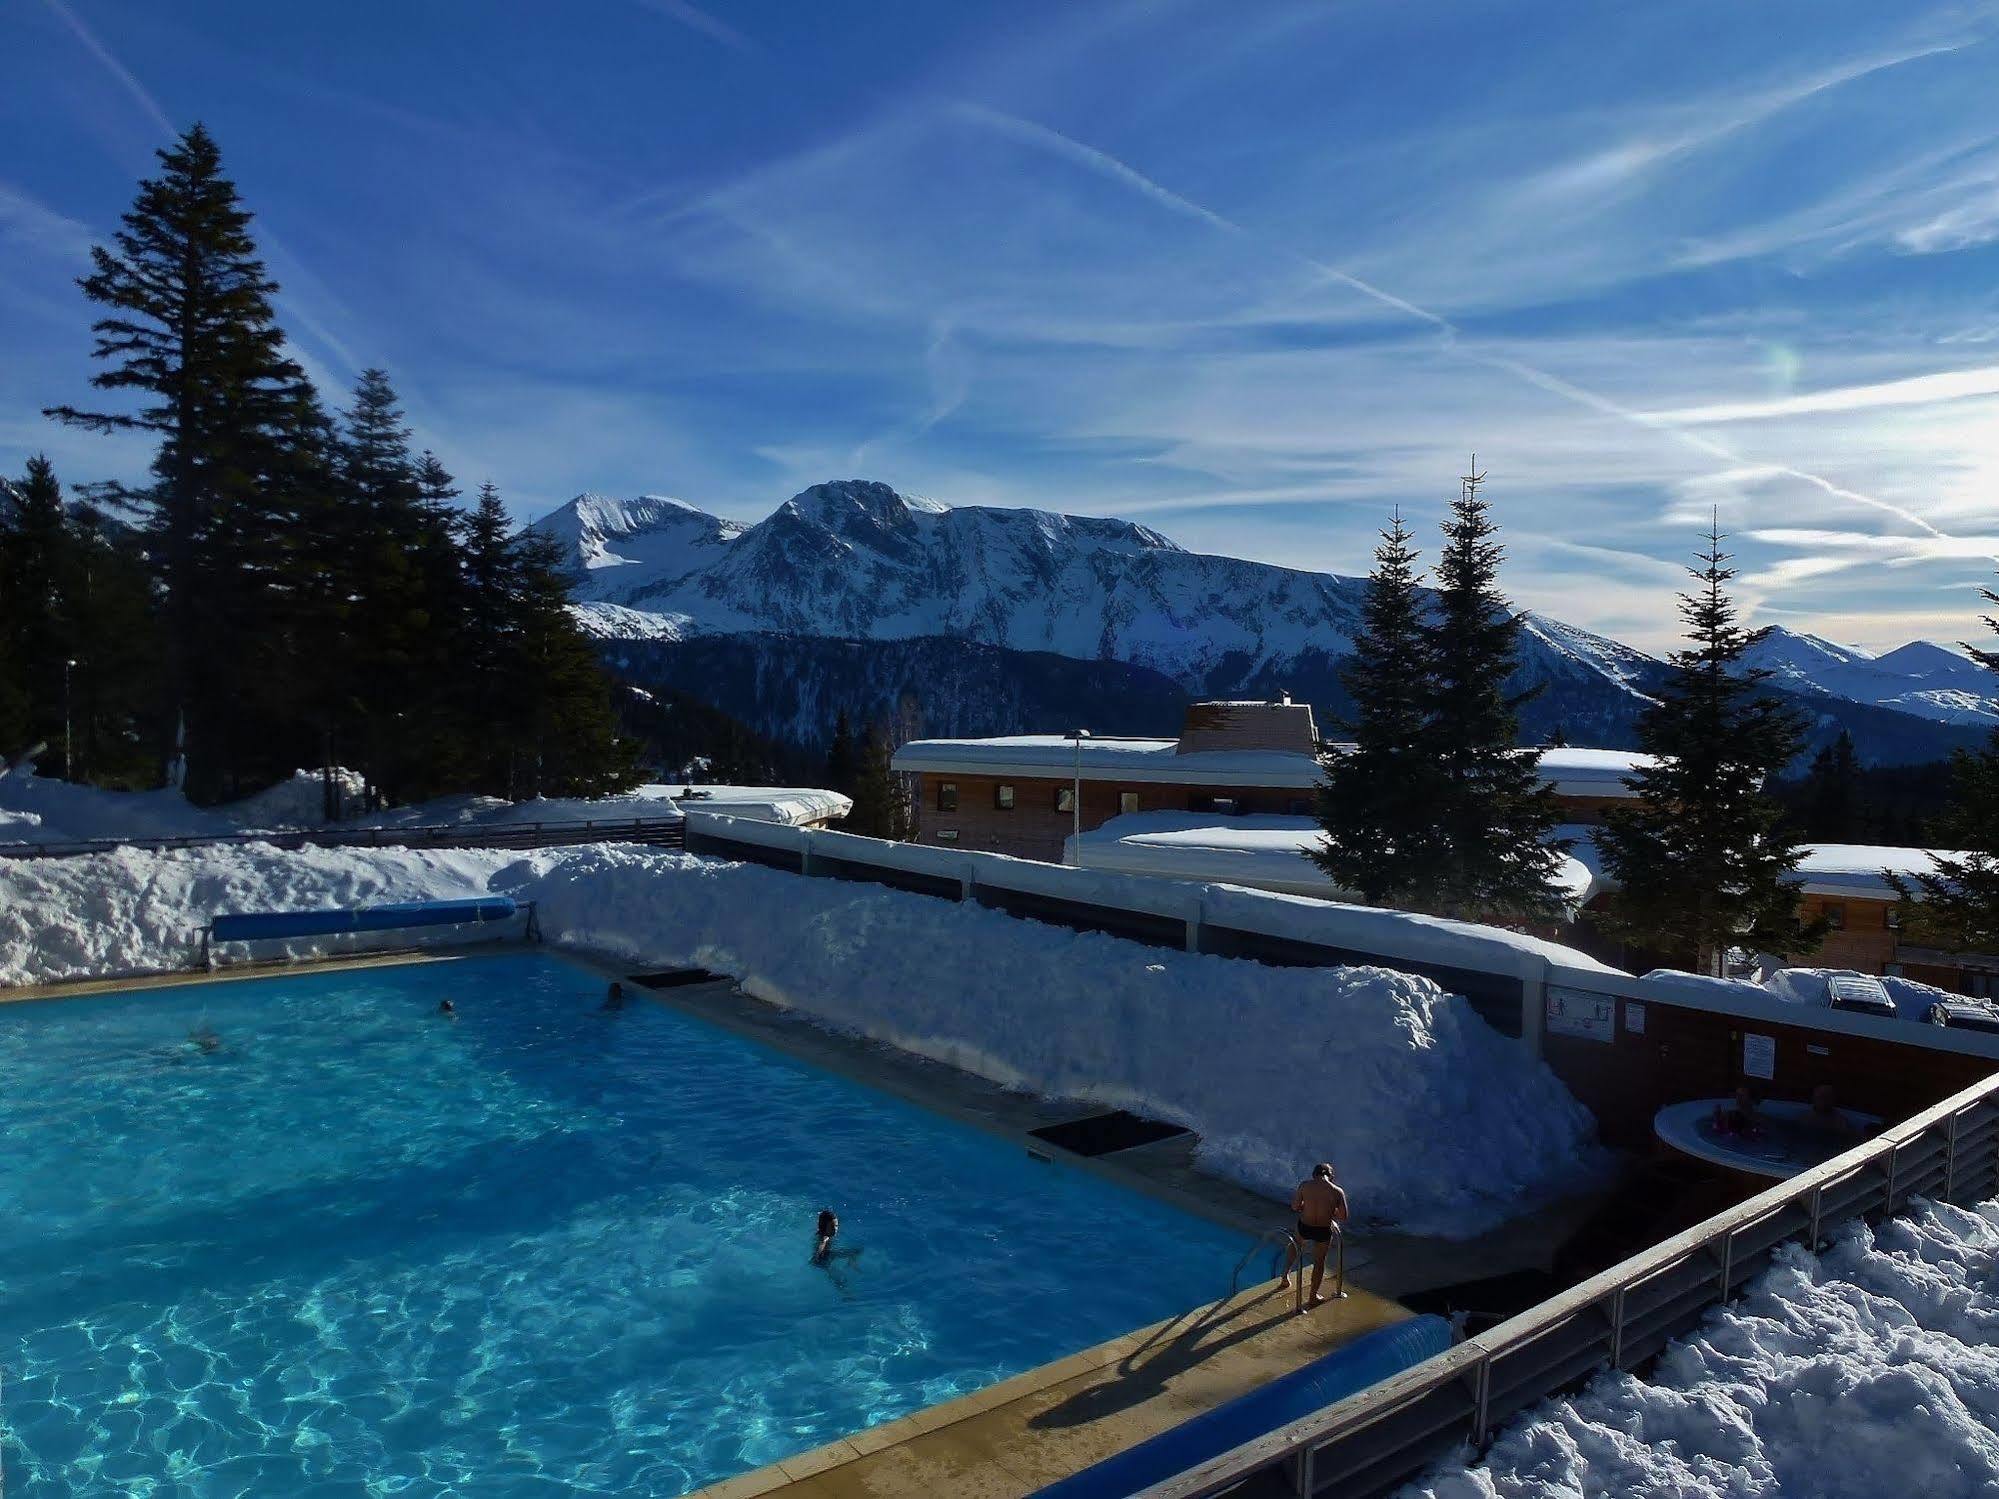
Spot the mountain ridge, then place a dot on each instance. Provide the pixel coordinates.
(854, 560)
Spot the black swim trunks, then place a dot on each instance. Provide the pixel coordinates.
(1320, 1235)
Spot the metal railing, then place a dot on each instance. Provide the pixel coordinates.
(1616, 1320)
(659, 832)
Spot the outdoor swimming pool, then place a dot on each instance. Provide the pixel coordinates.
(359, 1249)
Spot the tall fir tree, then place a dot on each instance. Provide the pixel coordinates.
(34, 610)
(490, 643)
(190, 330)
(842, 765)
(571, 745)
(881, 804)
(1955, 906)
(1378, 801)
(1701, 858)
(1832, 793)
(1494, 814)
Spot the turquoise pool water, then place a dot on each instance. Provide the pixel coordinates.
(353, 1248)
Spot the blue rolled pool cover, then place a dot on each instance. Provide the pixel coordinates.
(257, 926)
(1345, 1371)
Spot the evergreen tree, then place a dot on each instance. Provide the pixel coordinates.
(191, 331)
(571, 745)
(841, 765)
(1378, 801)
(881, 806)
(489, 633)
(1955, 906)
(34, 562)
(115, 643)
(1701, 856)
(1832, 793)
(1493, 811)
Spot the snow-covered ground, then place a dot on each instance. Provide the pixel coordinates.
(1870, 1371)
(1436, 1122)
(38, 810)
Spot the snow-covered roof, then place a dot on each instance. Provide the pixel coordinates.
(1263, 852)
(1136, 760)
(1591, 772)
(1857, 871)
(1572, 772)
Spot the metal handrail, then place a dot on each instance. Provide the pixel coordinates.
(1268, 1236)
(665, 831)
(1306, 1445)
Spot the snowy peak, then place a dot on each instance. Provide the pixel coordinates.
(624, 548)
(1930, 681)
(1588, 652)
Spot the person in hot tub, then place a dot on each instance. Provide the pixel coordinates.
(1824, 1115)
(1739, 1119)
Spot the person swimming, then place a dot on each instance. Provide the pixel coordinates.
(823, 1236)
(614, 998)
(447, 1009)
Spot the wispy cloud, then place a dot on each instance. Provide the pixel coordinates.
(697, 19)
(1916, 390)
(136, 90)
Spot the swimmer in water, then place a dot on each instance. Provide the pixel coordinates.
(823, 1236)
(204, 1040)
(447, 1009)
(614, 999)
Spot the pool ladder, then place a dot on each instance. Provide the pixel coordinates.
(1278, 1239)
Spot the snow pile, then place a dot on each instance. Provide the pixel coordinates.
(38, 810)
(1436, 1122)
(1869, 1371)
(1808, 986)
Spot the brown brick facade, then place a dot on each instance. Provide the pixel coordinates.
(1036, 824)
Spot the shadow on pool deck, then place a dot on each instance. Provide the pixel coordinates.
(1018, 1436)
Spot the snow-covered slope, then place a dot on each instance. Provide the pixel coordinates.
(854, 559)
(621, 548)
(1870, 1371)
(1921, 678)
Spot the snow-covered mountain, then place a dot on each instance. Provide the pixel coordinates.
(853, 560)
(621, 548)
(1928, 680)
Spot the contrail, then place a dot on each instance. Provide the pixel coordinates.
(145, 100)
(1109, 166)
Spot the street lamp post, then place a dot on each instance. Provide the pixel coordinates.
(1076, 797)
(65, 719)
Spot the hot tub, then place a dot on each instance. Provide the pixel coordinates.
(1786, 1145)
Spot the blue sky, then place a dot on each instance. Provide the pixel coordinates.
(1250, 273)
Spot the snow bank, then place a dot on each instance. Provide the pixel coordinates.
(38, 810)
(1870, 1371)
(1437, 1123)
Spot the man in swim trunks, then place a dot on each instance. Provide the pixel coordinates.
(1321, 1206)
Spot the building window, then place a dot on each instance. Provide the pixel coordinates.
(1835, 917)
(947, 835)
(1127, 801)
(947, 796)
(1003, 798)
(1892, 918)
(1227, 806)
(1065, 799)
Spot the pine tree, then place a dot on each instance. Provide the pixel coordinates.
(571, 746)
(881, 808)
(1701, 857)
(1378, 801)
(1493, 812)
(841, 766)
(490, 644)
(1955, 906)
(34, 614)
(191, 330)
(1832, 793)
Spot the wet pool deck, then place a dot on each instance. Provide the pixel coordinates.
(1025, 1432)
(1012, 1438)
